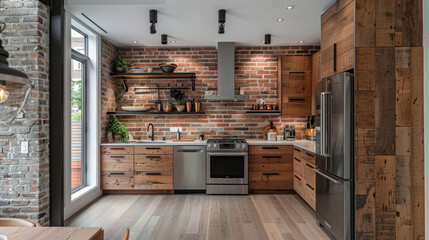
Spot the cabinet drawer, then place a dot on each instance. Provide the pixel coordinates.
(297, 166)
(153, 163)
(304, 155)
(309, 175)
(264, 167)
(153, 180)
(153, 150)
(153, 186)
(270, 158)
(270, 180)
(309, 195)
(117, 163)
(121, 150)
(270, 150)
(117, 180)
(297, 184)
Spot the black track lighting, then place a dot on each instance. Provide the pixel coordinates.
(164, 39)
(267, 39)
(222, 19)
(153, 18)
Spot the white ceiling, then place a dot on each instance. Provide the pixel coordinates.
(195, 22)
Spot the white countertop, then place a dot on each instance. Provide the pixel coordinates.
(305, 144)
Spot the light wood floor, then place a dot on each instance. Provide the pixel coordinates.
(200, 216)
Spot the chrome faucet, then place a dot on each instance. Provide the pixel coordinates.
(150, 136)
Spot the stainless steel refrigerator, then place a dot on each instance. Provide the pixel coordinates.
(335, 155)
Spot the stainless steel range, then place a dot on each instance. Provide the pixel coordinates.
(227, 166)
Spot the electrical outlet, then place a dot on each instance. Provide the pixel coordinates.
(174, 129)
(24, 147)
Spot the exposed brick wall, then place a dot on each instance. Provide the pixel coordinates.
(24, 178)
(256, 74)
(110, 88)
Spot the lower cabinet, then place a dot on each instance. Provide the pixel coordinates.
(270, 168)
(148, 168)
(304, 182)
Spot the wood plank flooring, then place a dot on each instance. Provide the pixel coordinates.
(200, 216)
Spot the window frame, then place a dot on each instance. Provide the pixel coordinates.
(83, 59)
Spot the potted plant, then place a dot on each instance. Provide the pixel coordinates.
(120, 64)
(169, 107)
(119, 129)
(180, 105)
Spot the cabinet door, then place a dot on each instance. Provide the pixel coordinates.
(117, 180)
(316, 78)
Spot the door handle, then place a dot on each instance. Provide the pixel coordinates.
(326, 176)
(324, 122)
(189, 150)
(153, 157)
(117, 173)
(335, 57)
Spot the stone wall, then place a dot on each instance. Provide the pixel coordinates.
(256, 75)
(24, 178)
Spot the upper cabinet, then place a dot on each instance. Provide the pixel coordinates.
(296, 84)
(337, 53)
(316, 77)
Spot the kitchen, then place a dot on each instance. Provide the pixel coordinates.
(240, 125)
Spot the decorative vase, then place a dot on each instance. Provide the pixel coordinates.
(189, 106)
(180, 108)
(110, 137)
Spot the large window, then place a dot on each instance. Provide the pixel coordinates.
(78, 100)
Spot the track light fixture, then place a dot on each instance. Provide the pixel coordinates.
(222, 19)
(153, 18)
(267, 39)
(164, 39)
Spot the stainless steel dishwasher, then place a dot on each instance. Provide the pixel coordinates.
(190, 168)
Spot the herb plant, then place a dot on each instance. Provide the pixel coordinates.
(122, 62)
(118, 128)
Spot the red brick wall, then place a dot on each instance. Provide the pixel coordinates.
(256, 74)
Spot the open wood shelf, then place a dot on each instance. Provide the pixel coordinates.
(157, 75)
(155, 113)
(264, 112)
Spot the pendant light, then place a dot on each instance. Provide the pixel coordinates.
(153, 19)
(15, 87)
(222, 20)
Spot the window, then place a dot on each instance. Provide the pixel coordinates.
(78, 110)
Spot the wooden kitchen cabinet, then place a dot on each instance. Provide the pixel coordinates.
(337, 50)
(304, 182)
(316, 77)
(270, 169)
(137, 169)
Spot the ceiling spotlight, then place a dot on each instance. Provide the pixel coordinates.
(222, 19)
(301, 41)
(267, 39)
(280, 19)
(173, 41)
(290, 7)
(262, 41)
(135, 41)
(164, 39)
(153, 18)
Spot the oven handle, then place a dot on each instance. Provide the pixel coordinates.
(227, 154)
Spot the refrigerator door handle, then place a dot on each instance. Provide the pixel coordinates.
(324, 123)
(318, 171)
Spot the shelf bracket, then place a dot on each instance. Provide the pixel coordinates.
(193, 83)
(124, 83)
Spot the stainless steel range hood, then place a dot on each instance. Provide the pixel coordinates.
(226, 74)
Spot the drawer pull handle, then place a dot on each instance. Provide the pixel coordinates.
(270, 147)
(118, 148)
(152, 148)
(297, 72)
(269, 174)
(297, 177)
(153, 174)
(296, 149)
(299, 160)
(308, 154)
(310, 187)
(277, 156)
(117, 156)
(308, 165)
(117, 173)
(153, 157)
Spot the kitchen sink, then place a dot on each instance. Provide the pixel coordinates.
(149, 141)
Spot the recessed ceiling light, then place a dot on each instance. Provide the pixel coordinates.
(135, 41)
(280, 19)
(262, 41)
(173, 41)
(301, 41)
(290, 7)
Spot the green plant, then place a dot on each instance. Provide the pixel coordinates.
(122, 62)
(118, 128)
(181, 102)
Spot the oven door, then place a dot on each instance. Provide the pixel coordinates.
(227, 168)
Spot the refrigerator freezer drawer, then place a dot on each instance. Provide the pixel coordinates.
(333, 204)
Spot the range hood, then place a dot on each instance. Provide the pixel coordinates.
(226, 74)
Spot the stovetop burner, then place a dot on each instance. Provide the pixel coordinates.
(232, 140)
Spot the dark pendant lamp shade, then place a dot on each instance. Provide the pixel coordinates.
(164, 38)
(153, 19)
(15, 87)
(222, 20)
(267, 40)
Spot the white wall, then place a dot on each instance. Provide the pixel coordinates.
(426, 107)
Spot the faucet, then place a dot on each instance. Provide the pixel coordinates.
(150, 136)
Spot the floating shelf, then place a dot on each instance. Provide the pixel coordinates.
(264, 112)
(156, 113)
(160, 75)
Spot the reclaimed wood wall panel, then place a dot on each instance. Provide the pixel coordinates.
(389, 119)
